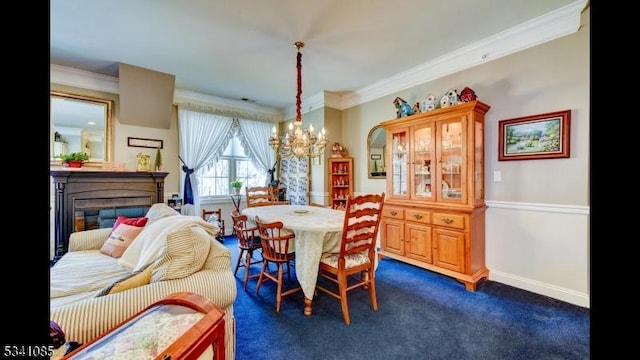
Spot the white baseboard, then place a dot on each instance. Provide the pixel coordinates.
(537, 287)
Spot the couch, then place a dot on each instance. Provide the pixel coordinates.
(94, 287)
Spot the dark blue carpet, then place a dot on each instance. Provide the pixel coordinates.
(421, 315)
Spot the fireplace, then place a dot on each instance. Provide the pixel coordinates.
(80, 194)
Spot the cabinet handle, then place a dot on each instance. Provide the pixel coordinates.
(417, 216)
(447, 220)
(393, 213)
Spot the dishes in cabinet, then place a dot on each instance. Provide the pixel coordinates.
(454, 193)
(445, 188)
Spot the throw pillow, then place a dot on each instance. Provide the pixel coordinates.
(138, 221)
(142, 277)
(185, 253)
(120, 238)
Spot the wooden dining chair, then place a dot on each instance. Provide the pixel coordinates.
(354, 266)
(276, 243)
(248, 245)
(260, 195)
(215, 216)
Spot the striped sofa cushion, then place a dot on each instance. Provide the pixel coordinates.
(185, 253)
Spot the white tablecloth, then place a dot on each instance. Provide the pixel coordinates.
(317, 230)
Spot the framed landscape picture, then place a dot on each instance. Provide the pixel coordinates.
(544, 136)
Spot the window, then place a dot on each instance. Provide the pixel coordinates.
(214, 180)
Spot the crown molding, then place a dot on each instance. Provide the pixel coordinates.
(551, 26)
(83, 79)
(251, 110)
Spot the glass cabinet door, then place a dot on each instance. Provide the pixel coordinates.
(478, 175)
(399, 163)
(451, 160)
(423, 156)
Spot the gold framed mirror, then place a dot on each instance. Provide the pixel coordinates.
(81, 124)
(376, 144)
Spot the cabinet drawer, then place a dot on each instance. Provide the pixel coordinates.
(393, 213)
(418, 216)
(451, 220)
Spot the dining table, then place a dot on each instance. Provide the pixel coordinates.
(317, 230)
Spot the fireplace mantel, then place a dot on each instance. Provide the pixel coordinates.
(77, 190)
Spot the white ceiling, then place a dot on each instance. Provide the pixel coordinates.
(236, 49)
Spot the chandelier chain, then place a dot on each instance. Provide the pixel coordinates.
(296, 141)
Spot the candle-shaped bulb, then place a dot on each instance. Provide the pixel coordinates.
(273, 130)
(310, 128)
(290, 126)
(323, 132)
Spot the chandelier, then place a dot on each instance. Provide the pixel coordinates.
(296, 141)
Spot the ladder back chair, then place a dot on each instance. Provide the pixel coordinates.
(248, 245)
(276, 245)
(354, 266)
(260, 195)
(215, 217)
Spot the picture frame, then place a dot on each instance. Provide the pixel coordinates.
(542, 136)
(145, 143)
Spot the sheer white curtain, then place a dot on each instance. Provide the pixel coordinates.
(202, 138)
(254, 137)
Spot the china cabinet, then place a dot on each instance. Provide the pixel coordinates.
(340, 181)
(434, 213)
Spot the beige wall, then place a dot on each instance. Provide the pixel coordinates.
(537, 222)
(537, 233)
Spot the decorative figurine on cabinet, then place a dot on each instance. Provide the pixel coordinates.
(416, 108)
(428, 104)
(449, 99)
(467, 95)
(337, 150)
(402, 107)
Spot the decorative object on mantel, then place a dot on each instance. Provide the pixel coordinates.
(402, 107)
(236, 185)
(143, 162)
(74, 159)
(158, 161)
(113, 166)
(467, 95)
(337, 150)
(297, 142)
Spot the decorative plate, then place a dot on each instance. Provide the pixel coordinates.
(302, 211)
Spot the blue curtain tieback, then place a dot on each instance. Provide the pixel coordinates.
(188, 192)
